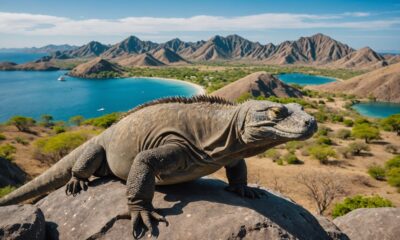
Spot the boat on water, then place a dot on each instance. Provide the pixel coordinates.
(61, 78)
(100, 109)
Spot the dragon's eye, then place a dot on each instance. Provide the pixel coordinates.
(277, 112)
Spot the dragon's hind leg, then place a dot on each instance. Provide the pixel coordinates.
(86, 165)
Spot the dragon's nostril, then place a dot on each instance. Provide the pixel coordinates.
(307, 122)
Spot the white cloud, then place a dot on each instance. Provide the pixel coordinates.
(45, 25)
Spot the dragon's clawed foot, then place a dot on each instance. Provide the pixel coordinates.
(245, 191)
(76, 185)
(145, 216)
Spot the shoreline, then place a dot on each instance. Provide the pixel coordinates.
(200, 90)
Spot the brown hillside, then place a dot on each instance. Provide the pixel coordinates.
(144, 59)
(257, 84)
(168, 56)
(95, 66)
(383, 84)
(364, 58)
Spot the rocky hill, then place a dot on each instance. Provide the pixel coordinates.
(92, 68)
(167, 56)
(144, 59)
(257, 84)
(383, 84)
(131, 45)
(92, 49)
(364, 58)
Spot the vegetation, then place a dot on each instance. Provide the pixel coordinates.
(76, 120)
(104, 74)
(348, 122)
(2, 137)
(46, 120)
(53, 148)
(104, 121)
(365, 131)
(377, 172)
(393, 172)
(59, 129)
(359, 201)
(391, 148)
(392, 123)
(21, 140)
(272, 154)
(7, 151)
(6, 190)
(322, 153)
(22, 123)
(324, 140)
(357, 147)
(343, 134)
(291, 158)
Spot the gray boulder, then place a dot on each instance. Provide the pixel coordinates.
(197, 210)
(371, 224)
(22, 222)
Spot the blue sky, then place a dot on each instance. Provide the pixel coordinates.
(26, 23)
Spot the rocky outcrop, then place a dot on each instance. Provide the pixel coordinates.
(382, 83)
(22, 222)
(90, 50)
(197, 210)
(167, 56)
(10, 174)
(141, 60)
(94, 68)
(257, 84)
(7, 66)
(371, 224)
(364, 58)
(131, 45)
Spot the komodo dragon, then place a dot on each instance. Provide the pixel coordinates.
(174, 140)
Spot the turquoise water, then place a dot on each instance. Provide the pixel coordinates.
(33, 94)
(19, 57)
(377, 109)
(304, 79)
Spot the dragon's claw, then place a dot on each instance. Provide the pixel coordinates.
(75, 186)
(145, 217)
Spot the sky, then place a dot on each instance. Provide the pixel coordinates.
(358, 23)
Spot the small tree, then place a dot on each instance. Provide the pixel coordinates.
(321, 189)
(357, 147)
(392, 123)
(377, 172)
(76, 120)
(46, 120)
(22, 123)
(359, 201)
(365, 131)
(7, 151)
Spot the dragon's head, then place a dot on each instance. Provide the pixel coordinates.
(269, 123)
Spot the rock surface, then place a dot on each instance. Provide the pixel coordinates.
(371, 224)
(22, 222)
(198, 210)
(257, 84)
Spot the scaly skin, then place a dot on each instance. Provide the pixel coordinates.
(171, 141)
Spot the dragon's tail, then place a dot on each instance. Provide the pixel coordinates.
(55, 177)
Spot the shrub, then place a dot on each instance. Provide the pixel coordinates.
(244, 97)
(6, 190)
(345, 152)
(322, 152)
(390, 148)
(2, 137)
(22, 123)
(377, 172)
(324, 140)
(357, 147)
(273, 154)
(76, 120)
(343, 134)
(323, 131)
(392, 123)
(46, 120)
(291, 158)
(393, 163)
(348, 122)
(21, 140)
(59, 129)
(336, 118)
(103, 121)
(366, 132)
(330, 99)
(393, 177)
(359, 201)
(292, 146)
(7, 151)
(54, 148)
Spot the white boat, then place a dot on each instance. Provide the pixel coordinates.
(100, 109)
(61, 78)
